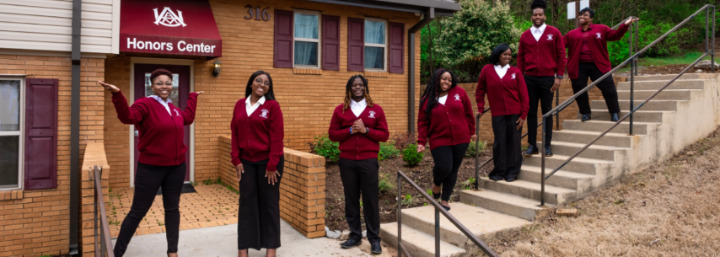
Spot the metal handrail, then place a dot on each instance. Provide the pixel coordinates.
(632, 60)
(104, 247)
(438, 210)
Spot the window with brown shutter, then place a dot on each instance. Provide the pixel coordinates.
(283, 39)
(396, 42)
(330, 42)
(41, 112)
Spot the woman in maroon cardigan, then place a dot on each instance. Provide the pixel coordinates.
(162, 155)
(509, 104)
(359, 125)
(257, 153)
(446, 117)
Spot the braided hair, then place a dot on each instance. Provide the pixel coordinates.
(433, 89)
(348, 92)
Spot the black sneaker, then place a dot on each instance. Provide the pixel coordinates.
(531, 150)
(548, 152)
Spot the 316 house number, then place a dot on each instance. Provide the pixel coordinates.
(257, 12)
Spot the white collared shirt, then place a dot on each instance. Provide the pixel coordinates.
(358, 107)
(250, 108)
(501, 71)
(442, 99)
(537, 32)
(163, 102)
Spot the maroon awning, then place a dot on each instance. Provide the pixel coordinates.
(171, 27)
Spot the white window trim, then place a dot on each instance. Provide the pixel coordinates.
(302, 39)
(384, 46)
(20, 133)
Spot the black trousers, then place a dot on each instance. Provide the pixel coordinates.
(447, 163)
(539, 91)
(361, 177)
(507, 156)
(148, 179)
(259, 212)
(606, 86)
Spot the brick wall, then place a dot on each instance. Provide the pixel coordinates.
(36, 222)
(94, 156)
(302, 188)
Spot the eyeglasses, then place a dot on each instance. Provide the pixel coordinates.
(261, 82)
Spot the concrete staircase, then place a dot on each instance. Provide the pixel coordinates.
(685, 112)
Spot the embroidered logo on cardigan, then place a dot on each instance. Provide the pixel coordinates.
(372, 114)
(264, 113)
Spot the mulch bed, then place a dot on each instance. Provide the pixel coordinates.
(421, 174)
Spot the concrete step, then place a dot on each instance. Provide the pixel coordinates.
(600, 152)
(562, 178)
(640, 128)
(640, 115)
(418, 243)
(657, 84)
(667, 94)
(522, 188)
(653, 105)
(584, 137)
(668, 77)
(578, 164)
(513, 205)
(478, 220)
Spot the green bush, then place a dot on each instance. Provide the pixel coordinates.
(324, 147)
(411, 156)
(388, 150)
(472, 148)
(385, 185)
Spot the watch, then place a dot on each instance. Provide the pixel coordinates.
(559, 77)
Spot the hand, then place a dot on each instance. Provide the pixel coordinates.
(420, 148)
(519, 123)
(359, 126)
(555, 86)
(110, 87)
(473, 137)
(200, 92)
(272, 176)
(631, 20)
(240, 171)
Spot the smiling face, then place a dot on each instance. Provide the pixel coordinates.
(538, 17)
(162, 86)
(585, 19)
(445, 82)
(505, 58)
(357, 89)
(260, 85)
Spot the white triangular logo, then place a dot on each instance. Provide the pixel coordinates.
(168, 18)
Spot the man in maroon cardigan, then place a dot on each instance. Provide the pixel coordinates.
(541, 58)
(588, 57)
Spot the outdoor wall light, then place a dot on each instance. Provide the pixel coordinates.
(216, 68)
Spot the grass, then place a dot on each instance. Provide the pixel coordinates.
(670, 60)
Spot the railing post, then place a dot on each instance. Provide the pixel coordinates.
(477, 150)
(632, 81)
(95, 217)
(399, 214)
(542, 166)
(636, 45)
(712, 49)
(437, 232)
(557, 114)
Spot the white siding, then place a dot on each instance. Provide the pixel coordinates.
(46, 25)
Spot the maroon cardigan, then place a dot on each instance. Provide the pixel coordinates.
(359, 146)
(258, 137)
(597, 43)
(161, 134)
(507, 96)
(449, 124)
(545, 57)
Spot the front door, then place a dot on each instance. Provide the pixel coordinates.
(179, 96)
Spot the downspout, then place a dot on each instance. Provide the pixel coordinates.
(74, 248)
(429, 15)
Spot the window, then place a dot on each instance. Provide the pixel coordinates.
(375, 45)
(306, 39)
(11, 101)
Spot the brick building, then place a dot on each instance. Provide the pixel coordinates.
(53, 52)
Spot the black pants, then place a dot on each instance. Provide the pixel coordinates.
(148, 179)
(447, 160)
(606, 86)
(506, 147)
(361, 177)
(259, 212)
(539, 90)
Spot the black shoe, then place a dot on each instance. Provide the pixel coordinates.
(531, 150)
(509, 179)
(614, 117)
(447, 208)
(375, 248)
(495, 178)
(350, 243)
(436, 195)
(548, 152)
(585, 117)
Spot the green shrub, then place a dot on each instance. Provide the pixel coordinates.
(472, 149)
(411, 155)
(324, 147)
(388, 150)
(385, 185)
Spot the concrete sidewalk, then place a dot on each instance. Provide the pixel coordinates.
(221, 241)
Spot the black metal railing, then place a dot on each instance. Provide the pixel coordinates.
(103, 243)
(709, 51)
(438, 210)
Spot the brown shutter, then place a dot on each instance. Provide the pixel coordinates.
(396, 44)
(330, 42)
(356, 44)
(283, 39)
(41, 112)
